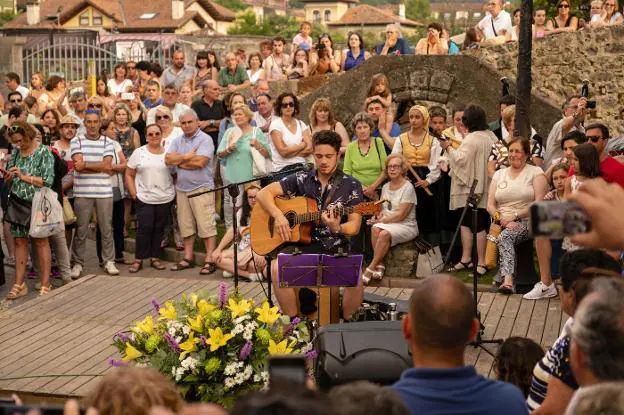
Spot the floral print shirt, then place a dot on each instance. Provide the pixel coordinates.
(348, 193)
(39, 164)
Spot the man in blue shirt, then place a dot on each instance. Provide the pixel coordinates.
(192, 155)
(439, 325)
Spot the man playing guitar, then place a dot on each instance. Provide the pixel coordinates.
(325, 181)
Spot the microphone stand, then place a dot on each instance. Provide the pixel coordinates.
(234, 191)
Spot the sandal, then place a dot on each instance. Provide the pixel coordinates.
(17, 291)
(184, 264)
(506, 289)
(45, 290)
(208, 268)
(136, 266)
(156, 264)
(460, 266)
(482, 267)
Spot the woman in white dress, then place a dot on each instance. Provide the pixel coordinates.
(397, 222)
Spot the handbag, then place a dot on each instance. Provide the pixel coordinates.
(429, 260)
(18, 211)
(69, 217)
(260, 164)
(116, 194)
(491, 246)
(46, 215)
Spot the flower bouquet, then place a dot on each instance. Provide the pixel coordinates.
(213, 347)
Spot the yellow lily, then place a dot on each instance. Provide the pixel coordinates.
(188, 346)
(131, 353)
(194, 300)
(218, 338)
(145, 326)
(168, 312)
(266, 314)
(279, 348)
(239, 308)
(203, 307)
(196, 324)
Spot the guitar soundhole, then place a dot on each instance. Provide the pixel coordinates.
(291, 216)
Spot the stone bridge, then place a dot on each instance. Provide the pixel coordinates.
(440, 80)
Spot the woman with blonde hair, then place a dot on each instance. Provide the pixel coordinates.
(322, 117)
(609, 16)
(397, 222)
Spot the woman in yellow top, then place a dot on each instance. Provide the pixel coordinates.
(422, 152)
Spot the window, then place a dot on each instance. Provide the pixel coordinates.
(84, 19)
(476, 15)
(327, 15)
(461, 15)
(97, 20)
(316, 16)
(447, 15)
(147, 16)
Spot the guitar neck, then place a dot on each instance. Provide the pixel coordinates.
(315, 216)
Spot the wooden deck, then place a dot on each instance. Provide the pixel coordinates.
(63, 340)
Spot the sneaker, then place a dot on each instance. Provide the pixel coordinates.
(255, 277)
(227, 274)
(76, 271)
(9, 261)
(111, 269)
(540, 291)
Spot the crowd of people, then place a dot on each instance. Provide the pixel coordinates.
(152, 143)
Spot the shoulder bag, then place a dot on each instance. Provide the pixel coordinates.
(260, 164)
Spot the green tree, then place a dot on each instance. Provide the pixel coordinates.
(6, 17)
(418, 10)
(233, 4)
(272, 25)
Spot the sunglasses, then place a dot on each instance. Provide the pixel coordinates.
(162, 117)
(95, 105)
(153, 134)
(594, 138)
(563, 6)
(16, 129)
(15, 101)
(288, 104)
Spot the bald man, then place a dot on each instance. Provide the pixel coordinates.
(440, 323)
(233, 76)
(210, 110)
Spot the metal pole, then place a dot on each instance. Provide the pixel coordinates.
(522, 127)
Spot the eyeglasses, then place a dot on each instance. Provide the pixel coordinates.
(162, 117)
(15, 101)
(251, 197)
(594, 138)
(394, 166)
(563, 6)
(288, 104)
(156, 134)
(95, 105)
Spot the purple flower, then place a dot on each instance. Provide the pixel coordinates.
(203, 341)
(245, 351)
(172, 342)
(223, 293)
(116, 363)
(121, 336)
(156, 305)
(293, 323)
(311, 354)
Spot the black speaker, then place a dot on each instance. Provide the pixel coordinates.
(371, 350)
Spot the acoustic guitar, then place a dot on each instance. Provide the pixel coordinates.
(301, 213)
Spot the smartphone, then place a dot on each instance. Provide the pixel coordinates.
(554, 220)
(127, 96)
(288, 368)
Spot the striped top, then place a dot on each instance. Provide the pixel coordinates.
(92, 185)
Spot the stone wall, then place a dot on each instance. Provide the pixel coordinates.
(562, 61)
(221, 44)
(429, 79)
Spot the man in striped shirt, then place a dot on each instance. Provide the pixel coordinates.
(92, 155)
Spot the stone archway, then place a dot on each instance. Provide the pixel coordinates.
(441, 79)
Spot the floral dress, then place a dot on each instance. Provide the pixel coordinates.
(39, 164)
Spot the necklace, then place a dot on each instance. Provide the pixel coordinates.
(409, 137)
(367, 150)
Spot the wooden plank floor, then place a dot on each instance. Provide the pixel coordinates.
(63, 340)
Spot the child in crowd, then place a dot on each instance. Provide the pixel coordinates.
(586, 165)
(557, 182)
(515, 361)
(380, 89)
(303, 40)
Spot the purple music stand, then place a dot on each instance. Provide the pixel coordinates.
(318, 270)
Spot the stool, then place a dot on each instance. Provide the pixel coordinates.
(526, 276)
